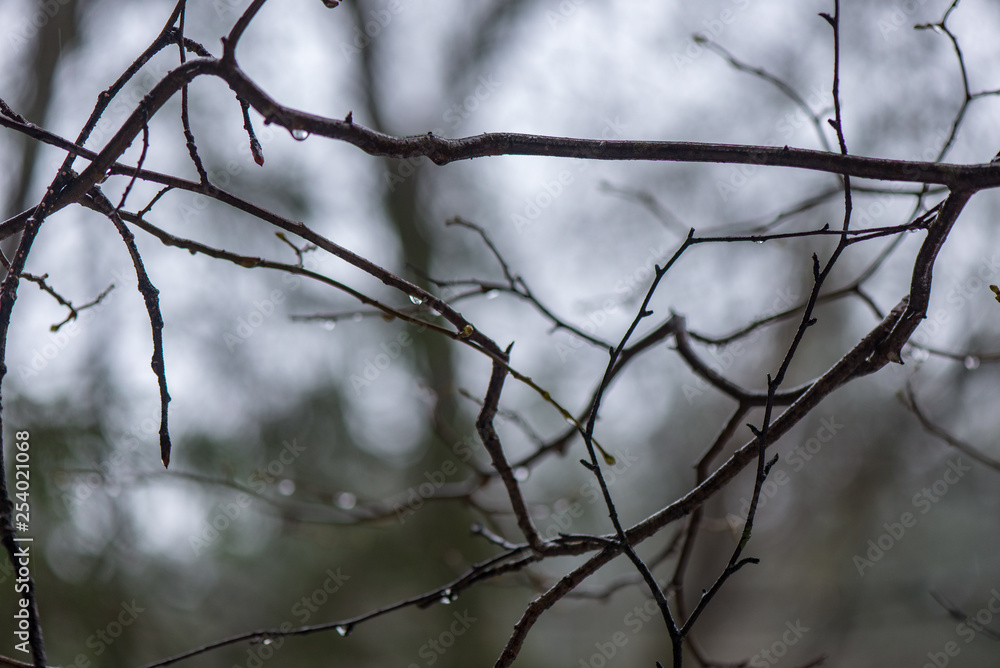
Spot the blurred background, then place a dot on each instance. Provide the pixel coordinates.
(287, 431)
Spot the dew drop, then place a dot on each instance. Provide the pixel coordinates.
(971, 362)
(347, 500)
(299, 134)
(416, 300)
(521, 473)
(357, 317)
(343, 630)
(286, 487)
(920, 355)
(447, 598)
(329, 325)
(758, 241)
(492, 294)
(266, 641)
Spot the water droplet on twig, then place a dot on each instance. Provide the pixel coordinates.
(971, 362)
(299, 134)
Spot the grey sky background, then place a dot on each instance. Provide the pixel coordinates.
(582, 68)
